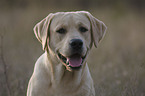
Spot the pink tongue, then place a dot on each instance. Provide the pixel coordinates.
(75, 61)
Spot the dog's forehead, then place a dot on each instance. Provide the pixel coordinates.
(70, 18)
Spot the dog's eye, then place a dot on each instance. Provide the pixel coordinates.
(83, 29)
(61, 31)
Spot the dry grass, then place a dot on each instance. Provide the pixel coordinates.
(117, 65)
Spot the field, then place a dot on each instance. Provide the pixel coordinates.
(117, 65)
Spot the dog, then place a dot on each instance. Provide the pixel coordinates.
(66, 38)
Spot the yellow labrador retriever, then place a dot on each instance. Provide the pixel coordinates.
(67, 38)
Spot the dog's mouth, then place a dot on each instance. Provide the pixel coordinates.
(74, 61)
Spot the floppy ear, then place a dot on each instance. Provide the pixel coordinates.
(98, 29)
(41, 30)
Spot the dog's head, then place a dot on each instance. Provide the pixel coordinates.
(70, 36)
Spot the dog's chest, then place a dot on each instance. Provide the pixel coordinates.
(65, 90)
(69, 85)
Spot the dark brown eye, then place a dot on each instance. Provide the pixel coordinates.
(83, 29)
(61, 31)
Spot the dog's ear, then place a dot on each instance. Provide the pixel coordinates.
(98, 29)
(41, 30)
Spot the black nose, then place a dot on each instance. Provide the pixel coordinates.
(76, 43)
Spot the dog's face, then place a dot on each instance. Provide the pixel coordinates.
(70, 36)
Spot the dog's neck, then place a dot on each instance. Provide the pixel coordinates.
(56, 68)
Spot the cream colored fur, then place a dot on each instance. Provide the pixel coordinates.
(53, 78)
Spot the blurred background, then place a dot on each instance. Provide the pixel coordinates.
(117, 65)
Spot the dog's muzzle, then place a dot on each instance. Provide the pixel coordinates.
(75, 60)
